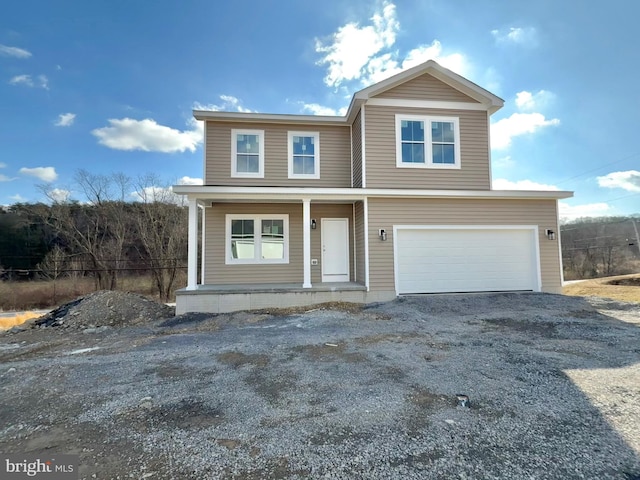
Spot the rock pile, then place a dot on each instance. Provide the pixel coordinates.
(105, 308)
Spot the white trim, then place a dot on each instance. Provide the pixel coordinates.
(559, 237)
(222, 193)
(428, 141)
(306, 243)
(316, 153)
(365, 209)
(326, 278)
(363, 149)
(269, 117)
(203, 244)
(353, 241)
(234, 153)
(257, 236)
(441, 105)
(192, 246)
(443, 74)
(489, 150)
(204, 154)
(533, 228)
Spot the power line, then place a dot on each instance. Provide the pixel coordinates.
(608, 164)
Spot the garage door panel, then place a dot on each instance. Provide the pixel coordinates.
(465, 260)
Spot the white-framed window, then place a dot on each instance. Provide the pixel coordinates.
(247, 153)
(424, 141)
(257, 239)
(304, 155)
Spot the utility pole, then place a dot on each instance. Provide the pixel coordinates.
(637, 236)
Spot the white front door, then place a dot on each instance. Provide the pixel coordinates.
(335, 249)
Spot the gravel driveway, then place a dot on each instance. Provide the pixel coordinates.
(553, 384)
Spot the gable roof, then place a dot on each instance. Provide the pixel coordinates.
(490, 101)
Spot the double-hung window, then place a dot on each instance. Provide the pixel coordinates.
(304, 154)
(257, 239)
(427, 141)
(247, 153)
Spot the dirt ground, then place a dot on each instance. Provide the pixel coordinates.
(625, 288)
(553, 384)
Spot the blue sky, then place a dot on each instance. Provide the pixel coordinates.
(108, 86)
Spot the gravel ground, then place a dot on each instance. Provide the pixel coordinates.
(553, 384)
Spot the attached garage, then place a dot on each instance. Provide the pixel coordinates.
(447, 259)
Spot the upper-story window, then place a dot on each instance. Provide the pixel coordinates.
(304, 155)
(427, 141)
(247, 153)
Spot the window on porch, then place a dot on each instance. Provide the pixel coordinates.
(257, 239)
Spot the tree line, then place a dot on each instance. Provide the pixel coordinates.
(600, 247)
(125, 225)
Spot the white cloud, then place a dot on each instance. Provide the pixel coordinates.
(528, 101)
(503, 131)
(317, 109)
(190, 181)
(516, 35)
(503, 162)
(18, 198)
(4, 178)
(365, 53)
(571, 212)
(44, 81)
(14, 52)
(352, 46)
(22, 80)
(65, 120)
(229, 103)
(385, 65)
(46, 174)
(3, 165)
(27, 80)
(504, 184)
(58, 195)
(147, 135)
(629, 180)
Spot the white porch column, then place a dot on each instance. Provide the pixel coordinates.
(306, 242)
(192, 258)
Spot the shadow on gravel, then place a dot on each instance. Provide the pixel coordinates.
(553, 385)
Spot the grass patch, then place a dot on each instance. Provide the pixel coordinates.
(625, 288)
(43, 294)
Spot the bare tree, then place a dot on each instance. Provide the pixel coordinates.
(160, 227)
(99, 229)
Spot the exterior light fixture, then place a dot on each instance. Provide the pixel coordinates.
(551, 235)
(313, 224)
(382, 234)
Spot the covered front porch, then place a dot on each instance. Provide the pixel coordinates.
(273, 248)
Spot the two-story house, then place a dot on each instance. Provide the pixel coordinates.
(393, 198)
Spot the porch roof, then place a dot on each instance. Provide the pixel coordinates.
(295, 194)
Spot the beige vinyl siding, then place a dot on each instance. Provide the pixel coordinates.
(356, 134)
(380, 135)
(218, 273)
(359, 238)
(335, 158)
(426, 87)
(385, 213)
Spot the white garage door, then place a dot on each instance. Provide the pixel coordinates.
(438, 260)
